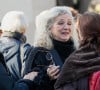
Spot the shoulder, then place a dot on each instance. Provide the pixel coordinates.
(40, 52)
(26, 46)
(8, 43)
(37, 55)
(35, 58)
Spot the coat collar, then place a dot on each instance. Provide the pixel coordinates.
(81, 63)
(15, 35)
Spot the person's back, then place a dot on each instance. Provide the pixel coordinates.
(13, 27)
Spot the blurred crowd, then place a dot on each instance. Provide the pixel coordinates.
(65, 53)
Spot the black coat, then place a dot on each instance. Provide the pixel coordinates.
(81, 84)
(39, 62)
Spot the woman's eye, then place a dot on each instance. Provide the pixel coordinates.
(60, 23)
(69, 23)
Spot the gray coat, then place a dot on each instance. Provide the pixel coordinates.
(10, 47)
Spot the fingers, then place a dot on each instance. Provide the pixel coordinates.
(56, 76)
(31, 75)
(53, 71)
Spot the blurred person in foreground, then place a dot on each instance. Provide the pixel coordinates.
(77, 69)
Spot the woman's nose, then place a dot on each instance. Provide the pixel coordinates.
(66, 26)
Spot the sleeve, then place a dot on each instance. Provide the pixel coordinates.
(24, 85)
(7, 82)
(41, 64)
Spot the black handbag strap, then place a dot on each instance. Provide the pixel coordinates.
(56, 58)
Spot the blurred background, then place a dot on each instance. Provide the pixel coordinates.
(31, 8)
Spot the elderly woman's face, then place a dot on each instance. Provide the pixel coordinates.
(61, 29)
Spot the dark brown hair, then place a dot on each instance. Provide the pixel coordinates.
(89, 25)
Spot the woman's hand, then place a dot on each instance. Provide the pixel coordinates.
(53, 72)
(31, 75)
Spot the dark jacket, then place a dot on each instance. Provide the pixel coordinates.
(81, 84)
(10, 45)
(77, 67)
(7, 82)
(41, 63)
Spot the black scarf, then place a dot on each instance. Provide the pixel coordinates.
(15, 35)
(64, 49)
(81, 63)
